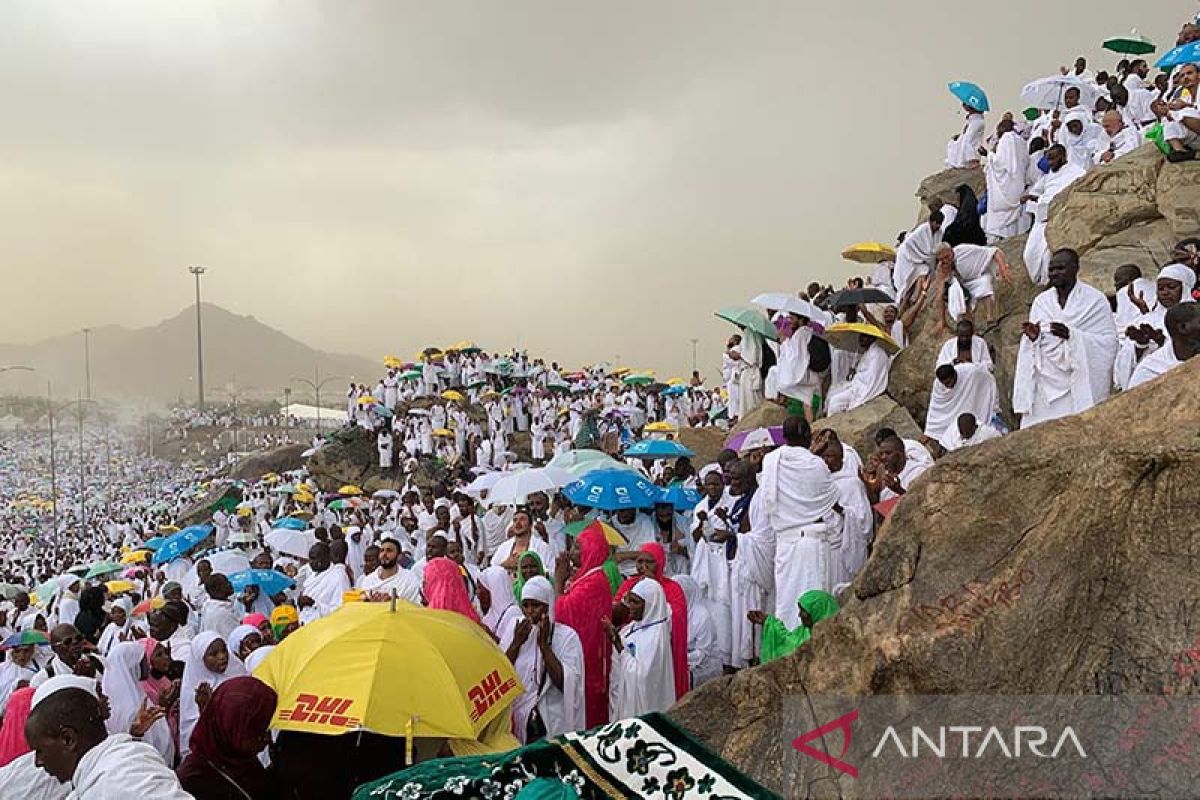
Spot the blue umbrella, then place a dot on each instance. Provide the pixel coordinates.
(970, 94)
(155, 542)
(1183, 54)
(381, 410)
(682, 498)
(270, 581)
(672, 391)
(177, 544)
(612, 489)
(291, 523)
(657, 448)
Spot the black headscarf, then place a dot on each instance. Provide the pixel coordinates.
(965, 229)
(91, 618)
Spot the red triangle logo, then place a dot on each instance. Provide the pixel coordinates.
(842, 723)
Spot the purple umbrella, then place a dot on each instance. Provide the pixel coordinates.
(734, 442)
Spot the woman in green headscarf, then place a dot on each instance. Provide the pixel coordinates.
(529, 565)
(777, 640)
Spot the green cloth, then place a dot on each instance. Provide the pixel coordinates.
(778, 641)
(547, 789)
(1156, 134)
(615, 578)
(519, 583)
(227, 503)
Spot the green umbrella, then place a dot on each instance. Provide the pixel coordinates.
(637, 380)
(750, 318)
(285, 488)
(1131, 45)
(411, 375)
(103, 568)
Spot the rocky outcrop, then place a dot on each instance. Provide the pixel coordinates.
(1057, 560)
(349, 457)
(279, 460)
(859, 426)
(943, 187)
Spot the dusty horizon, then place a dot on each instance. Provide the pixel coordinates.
(587, 183)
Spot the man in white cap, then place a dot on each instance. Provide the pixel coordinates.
(1183, 325)
(66, 731)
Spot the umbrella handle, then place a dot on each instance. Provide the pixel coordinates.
(409, 729)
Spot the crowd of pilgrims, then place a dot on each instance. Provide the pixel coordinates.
(148, 689)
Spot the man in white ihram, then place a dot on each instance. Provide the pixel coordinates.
(388, 578)
(1061, 175)
(801, 501)
(1006, 169)
(1068, 345)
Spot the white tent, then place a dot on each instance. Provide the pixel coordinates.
(329, 416)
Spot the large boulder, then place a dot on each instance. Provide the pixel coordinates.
(1059, 560)
(281, 459)
(943, 187)
(706, 443)
(858, 426)
(1107, 200)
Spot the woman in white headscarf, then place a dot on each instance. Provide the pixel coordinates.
(643, 672)
(243, 640)
(1173, 286)
(501, 605)
(122, 685)
(703, 654)
(208, 664)
(548, 658)
(119, 626)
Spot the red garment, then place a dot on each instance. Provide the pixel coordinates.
(232, 723)
(583, 607)
(677, 600)
(12, 734)
(444, 588)
(152, 686)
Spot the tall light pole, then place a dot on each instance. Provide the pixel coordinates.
(694, 343)
(87, 361)
(198, 271)
(316, 384)
(287, 403)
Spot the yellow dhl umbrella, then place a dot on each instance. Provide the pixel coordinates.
(660, 427)
(397, 670)
(270, 477)
(844, 336)
(350, 489)
(452, 395)
(391, 362)
(118, 587)
(135, 557)
(869, 253)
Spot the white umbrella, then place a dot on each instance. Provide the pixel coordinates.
(228, 562)
(514, 487)
(793, 305)
(290, 542)
(386, 493)
(1049, 93)
(483, 483)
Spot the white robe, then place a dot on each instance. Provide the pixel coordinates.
(403, 583)
(858, 518)
(974, 393)
(536, 544)
(326, 590)
(710, 566)
(1057, 377)
(953, 440)
(705, 658)
(126, 695)
(911, 470)
(870, 380)
(799, 494)
(120, 768)
(1006, 171)
(964, 149)
(1037, 249)
(979, 353)
(750, 381)
(792, 376)
(22, 778)
(916, 256)
(561, 710)
(751, 581)
(643, 672)
(973, 275)
(1160, 362)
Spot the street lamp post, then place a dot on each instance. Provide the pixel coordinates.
(197, 272)
(316, 384)
(287, 404)
(694, 343)
(87, 361)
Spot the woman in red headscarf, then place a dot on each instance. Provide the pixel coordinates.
(232, 730)
(445, 589)
(676, 599)
(584, 603)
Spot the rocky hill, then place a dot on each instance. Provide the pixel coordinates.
(1059, 560)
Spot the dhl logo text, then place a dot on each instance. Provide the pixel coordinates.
(488, 692)
(321, 711)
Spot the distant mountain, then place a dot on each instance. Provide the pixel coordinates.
(159, 362)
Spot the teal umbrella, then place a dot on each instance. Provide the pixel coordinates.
(750, 318)
(103, 568)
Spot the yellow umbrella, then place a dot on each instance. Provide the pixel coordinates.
(458, 347)
(135, 557)
(168, 529)
(367, 400)
(270, 477)
(844, 336)
(443, 432)
(452, 395)
(660, 427)
(869, 253)
(675, 381)
(611, 535)
(350, 489)
(393, 668)
(118, 587)
(302, 513)
(392, 362)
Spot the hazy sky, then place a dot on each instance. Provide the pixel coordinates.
(586, 180)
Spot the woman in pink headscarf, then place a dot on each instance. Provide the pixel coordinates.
(651, 562)
(584, 604)
(445, 589)
(12, 734)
